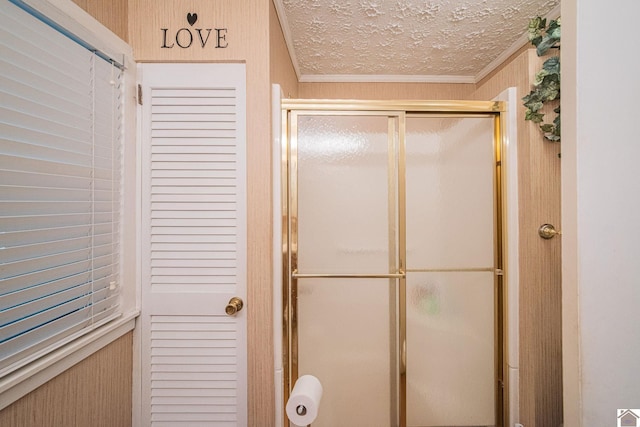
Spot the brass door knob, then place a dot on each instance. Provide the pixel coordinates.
(548, 231)
(234, 306)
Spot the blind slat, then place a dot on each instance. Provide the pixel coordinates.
(29, 294)
(44, 276)
(24, 73)
(33, 107)
(48, 166)
(18, 238)
(44, 194)
(74, 131)
(33, 307)
(39, 144)
(30, 346)
(28, 92)
(25, 266)
(35, 220)
(24, 325)
(29, 179)
(34, 32)
(24, 209)
(36, 250)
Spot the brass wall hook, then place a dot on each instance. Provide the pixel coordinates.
(547, 231)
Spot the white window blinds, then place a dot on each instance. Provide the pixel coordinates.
(60, 185)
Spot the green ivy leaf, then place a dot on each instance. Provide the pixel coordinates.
(554, 34)
(550, 91)
(535, 96)
(554, 29)
(552, 65)
(556, 122)
(530, 98)
(551, 79)
(553, 24)
(549, 39)
(533, 116)
(540, 75)
(534, 106)
(536, 25)
(545, 44)
(547, 127)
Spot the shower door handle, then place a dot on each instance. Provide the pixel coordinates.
(399, 275)
(234, 306)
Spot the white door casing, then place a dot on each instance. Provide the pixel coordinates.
(193, 245)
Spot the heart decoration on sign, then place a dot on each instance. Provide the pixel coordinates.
(192, 18)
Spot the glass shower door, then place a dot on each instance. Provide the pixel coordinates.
(394, 255)
(346, 256)
(450, 167)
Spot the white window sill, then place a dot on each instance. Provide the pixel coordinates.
(25, 380)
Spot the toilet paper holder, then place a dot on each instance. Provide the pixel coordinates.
(304, 401)
(302, 411)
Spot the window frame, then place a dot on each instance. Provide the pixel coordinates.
(83, 26)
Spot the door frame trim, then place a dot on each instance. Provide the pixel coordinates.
(288, 107)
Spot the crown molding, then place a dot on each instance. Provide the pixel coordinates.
(383, 78)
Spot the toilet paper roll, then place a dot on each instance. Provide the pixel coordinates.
(304, 402)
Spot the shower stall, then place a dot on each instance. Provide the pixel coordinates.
(393, 262)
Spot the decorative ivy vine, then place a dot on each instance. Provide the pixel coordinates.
(546, 87)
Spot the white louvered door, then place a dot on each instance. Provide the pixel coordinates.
(193, 356)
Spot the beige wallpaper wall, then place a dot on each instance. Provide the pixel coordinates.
(385, 90)
(112, 14)
(96, 392)
(540, 260)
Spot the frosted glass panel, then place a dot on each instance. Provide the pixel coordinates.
(346, 327)
(345, 340)
(343, 197)
(450, 349)
(450, 315)
(450, 170)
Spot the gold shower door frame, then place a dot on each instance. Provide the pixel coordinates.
(396, 112)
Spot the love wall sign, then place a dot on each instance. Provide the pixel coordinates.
(189, 36)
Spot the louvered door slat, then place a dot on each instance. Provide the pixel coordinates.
(193, 355)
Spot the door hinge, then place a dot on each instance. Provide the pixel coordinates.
(140, 94)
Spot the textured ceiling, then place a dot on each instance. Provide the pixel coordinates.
(405, 40)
